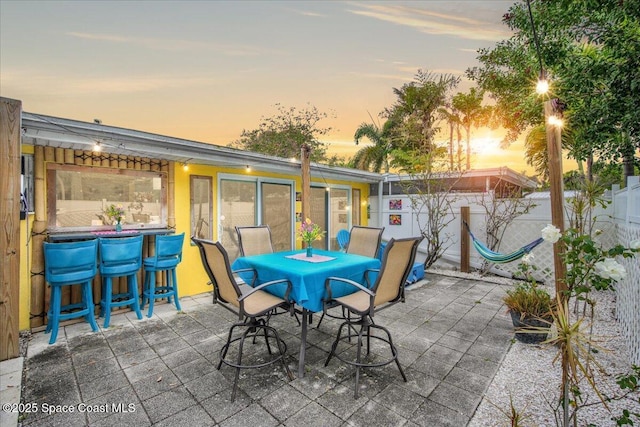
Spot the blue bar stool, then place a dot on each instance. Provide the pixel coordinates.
(120, 257)
(168, 256)
(70, 264)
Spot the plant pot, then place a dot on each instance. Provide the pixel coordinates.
(528, 322)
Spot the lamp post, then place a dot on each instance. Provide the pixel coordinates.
(553, 126)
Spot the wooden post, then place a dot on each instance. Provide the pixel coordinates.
(556, 187)
(306, 181)
(10, 128)
(465, 216)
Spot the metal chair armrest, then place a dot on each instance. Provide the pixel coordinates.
(264, 285)
(244, 270)
(366, 275)
(328, 280)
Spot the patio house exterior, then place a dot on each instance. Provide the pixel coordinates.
(74, 170)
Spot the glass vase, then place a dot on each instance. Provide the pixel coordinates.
(118, 227)
(309, 251)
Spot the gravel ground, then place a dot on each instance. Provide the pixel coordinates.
(530, 377)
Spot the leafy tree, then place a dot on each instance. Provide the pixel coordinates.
(415, 112)
(591, 52)
(284, 134)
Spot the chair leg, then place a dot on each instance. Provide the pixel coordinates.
(151, 291)
(175, 289)
(282, 353)
(225, 348)
(359, 358)
(132, 284)
(145, 289)
(54, 318)
(240, 347)
(335, 344)
(105, 303)
(87, 296)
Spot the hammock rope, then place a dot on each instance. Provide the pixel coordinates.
(497, 257)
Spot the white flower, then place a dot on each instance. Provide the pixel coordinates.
(598, 232)
(527, 259)
(635, 244)
(551, 233)
(610, 269)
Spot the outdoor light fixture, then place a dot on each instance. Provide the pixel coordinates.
(555, 121)
(247, 168)
(185, 166)
(97, 146)
(542, 87)
(293, 160)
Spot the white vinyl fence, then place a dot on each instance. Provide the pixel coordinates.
(619, 222)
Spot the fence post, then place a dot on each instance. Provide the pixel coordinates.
(465, 215)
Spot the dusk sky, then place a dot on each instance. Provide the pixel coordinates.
(206, 70)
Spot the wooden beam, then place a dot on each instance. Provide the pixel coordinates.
(305, 153)
(10, 128)
(465, 216)
(556, 187)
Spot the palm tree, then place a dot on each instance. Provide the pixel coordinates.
(451, 116)
(537, 155)
(472, 113)
(374, 157)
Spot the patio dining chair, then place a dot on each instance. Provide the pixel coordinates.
(387, 290)
(364, 241)
(254, 240)
(252, 305)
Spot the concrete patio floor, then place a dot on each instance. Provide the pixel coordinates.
(452, 333)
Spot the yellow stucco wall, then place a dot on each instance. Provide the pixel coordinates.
(192, 279)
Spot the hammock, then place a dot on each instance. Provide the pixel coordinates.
(497, 257)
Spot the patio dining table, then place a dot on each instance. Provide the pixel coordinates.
(307, 276)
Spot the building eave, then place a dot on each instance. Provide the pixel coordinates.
(42, 130)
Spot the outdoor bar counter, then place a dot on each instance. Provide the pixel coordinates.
(71, 294)
(68, 236)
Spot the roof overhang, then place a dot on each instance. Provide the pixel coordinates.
(48, 131)
(476, 179)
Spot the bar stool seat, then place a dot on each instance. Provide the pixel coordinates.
(70, 264)
(168, 256)
(120, 257)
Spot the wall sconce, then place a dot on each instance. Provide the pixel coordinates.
(247, 169)
(185, 166)
(97, 146)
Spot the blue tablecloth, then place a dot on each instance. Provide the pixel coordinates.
(307, 278)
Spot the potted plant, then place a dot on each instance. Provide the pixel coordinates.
(530, 308)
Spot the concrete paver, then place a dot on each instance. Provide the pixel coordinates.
(451, 335)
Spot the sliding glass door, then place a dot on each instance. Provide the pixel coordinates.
(259, 201)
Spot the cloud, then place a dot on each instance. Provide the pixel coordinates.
(383, 76)
(228, 49)
(65, 85)
(308, 13)
(431, 22)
